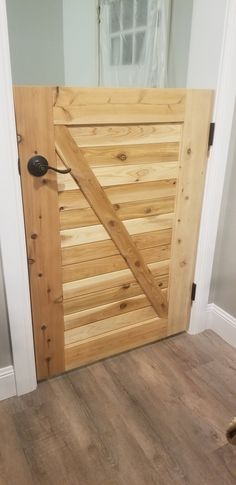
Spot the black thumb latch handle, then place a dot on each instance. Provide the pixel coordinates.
(38, 166)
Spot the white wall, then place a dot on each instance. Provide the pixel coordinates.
(181, 19)
(223, 284)
(206, 43)
(36, 41)
(80, 29)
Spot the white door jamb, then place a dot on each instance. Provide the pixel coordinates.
(223, 117)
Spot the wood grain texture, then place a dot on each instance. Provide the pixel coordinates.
(104, 281)
(120, 105)
(114, 342)
(193, 161)
(70, 154)
(87, 252)
(70, 219)
(95, 136)
(101, 312)
(42, 228)
(74, 199)
(144, 414)
(105, 296)
(109, 264)
(109, 324)
(73, 237)
(130, 174)
(131, 154)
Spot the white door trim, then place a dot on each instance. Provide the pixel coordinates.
(12, 234)
(223, 117)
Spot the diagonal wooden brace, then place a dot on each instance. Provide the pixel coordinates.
(73, 158)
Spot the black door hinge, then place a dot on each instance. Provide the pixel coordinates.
(193, 292)
(211, 135)
(19, 170)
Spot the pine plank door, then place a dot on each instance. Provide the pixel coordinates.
(111, 245)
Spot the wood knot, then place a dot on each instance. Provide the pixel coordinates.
(34, 236)
(126, 286)
(137, 264)
(122, 156)
(123, 305)
(148, 210)
(116, 207)
(112, 223)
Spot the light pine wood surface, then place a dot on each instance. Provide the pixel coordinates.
(74, 106)
(115, 240)
(154, 416)
(40, 200)
(81, 172)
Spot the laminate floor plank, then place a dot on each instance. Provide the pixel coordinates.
(156, 415)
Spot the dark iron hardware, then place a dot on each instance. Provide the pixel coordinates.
(193, 292)
(38, 166)
(211, 135)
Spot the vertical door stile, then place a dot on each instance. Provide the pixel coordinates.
(40, 199)
(191, 179)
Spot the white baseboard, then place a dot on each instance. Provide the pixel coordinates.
(7, 382)
(222, 323)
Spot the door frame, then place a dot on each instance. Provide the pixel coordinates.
(14, 249)
(217, 164)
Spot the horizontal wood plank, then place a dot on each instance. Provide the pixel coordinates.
(109, 264)
(108, 325)
(87, 252)
(114, 342)
(132, 210)
(109, 295)
(74, 237)
(74, 199)
(96, 314)
(121, 105)
(131, 154)
(102, 297)
(130, 174)
(104, 281)
(123, 135)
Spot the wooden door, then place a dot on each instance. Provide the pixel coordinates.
(111, 246)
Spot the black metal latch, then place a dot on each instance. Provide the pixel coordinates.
(38, 166)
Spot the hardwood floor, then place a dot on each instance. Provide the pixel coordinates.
(154, 416)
